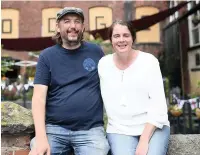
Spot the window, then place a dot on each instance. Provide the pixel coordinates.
(6, 26)
(51, 24)
(175, 15)
(49, 21)
(152, 32)
(100, 17)
(9, 23)
(194, 24)
(197, 57)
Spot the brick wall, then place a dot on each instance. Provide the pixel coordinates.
(15, 145)
(161, 5)
(154, 48)
(31, 12)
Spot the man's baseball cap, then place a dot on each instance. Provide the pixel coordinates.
(70, 10)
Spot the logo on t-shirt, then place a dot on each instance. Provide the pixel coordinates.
(89, 64)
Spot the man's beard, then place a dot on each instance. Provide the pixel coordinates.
(70, 41)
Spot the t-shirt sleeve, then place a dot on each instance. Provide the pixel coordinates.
(157, 108)
(42, 75)
(101, 52)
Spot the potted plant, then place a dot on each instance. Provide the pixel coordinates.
(175, 110)
(196, 19)
(197, 112)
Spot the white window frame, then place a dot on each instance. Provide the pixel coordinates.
(191, 27)
(172, 4)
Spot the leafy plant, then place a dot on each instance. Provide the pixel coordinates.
(30, 71)
(106, 45)
(29, 94)
(166, 86)
(6, 66)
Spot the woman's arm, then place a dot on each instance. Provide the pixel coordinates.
(157, 106)
(148, 132)
(156, 109)
(143, 145)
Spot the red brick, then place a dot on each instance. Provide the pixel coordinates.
(22, 152)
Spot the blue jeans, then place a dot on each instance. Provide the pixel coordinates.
(84, 142)
(123, 144)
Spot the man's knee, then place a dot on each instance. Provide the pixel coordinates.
(99, 140)
(102, 146)
(91, 142)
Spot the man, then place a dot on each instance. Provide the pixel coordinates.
(67, 105)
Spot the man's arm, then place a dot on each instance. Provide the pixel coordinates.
(38, 110)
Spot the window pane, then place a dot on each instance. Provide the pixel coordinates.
(51, 24)
(195, 34)
(6, 26)
(197, 59)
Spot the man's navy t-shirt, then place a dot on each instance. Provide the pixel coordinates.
(73, 98)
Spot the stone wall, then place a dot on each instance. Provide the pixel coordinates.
(184, 145)
(17, 130)
(15, 144)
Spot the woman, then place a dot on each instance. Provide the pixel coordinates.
(133, 95)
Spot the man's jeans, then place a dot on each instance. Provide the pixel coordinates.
(85, 142)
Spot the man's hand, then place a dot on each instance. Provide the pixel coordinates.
(142, 148)
(41, 147)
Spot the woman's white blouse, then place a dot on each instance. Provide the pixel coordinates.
(134, 96)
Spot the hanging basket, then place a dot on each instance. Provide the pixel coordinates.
(197, 112)
(175, 111)
(196, 20)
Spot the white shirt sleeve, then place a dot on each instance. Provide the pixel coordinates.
(157, 107)
(99, 67)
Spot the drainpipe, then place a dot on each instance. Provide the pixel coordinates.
(128, 10)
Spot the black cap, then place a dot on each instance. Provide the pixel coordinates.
(70, 10)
